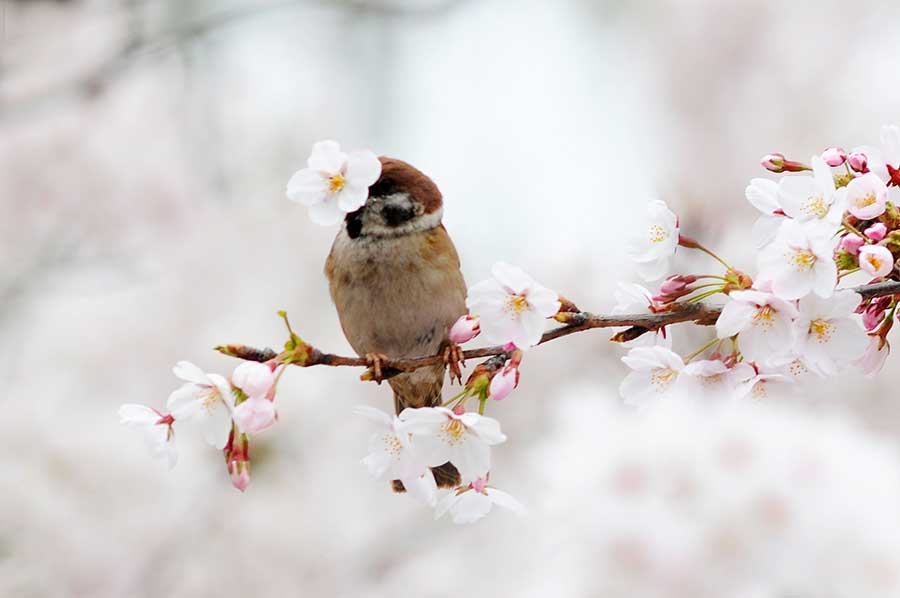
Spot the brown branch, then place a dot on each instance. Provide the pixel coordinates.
(637, 325)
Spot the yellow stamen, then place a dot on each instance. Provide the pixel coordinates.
(336, 183)
(822, 329)
(658, 234)
(866, 201)
(802, 259)
(814, 206)
(764, 317)
(517, 304)
(662, 378)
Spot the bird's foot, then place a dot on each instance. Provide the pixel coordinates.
(453, 358)
(376, 362)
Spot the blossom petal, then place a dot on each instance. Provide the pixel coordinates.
(327, 157)
(307, 187)
(363, 168)
(352, 197)
(130, 413)
(470, 507)
(513, 278)
(326, 213)
(501, 498)
(187, 371)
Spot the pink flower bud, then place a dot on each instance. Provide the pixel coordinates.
(479, 484)
(254, 415)
(876, 232)
(674, 287)
(773, 162)
(834, 156)
(255, 379)
(240, 474)
(465, 329)
(504, 382)
(858, 161)
(851, 243)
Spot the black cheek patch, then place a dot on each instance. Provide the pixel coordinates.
(354, 223)
(397, 215)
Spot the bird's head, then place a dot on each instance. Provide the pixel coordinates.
(402, 201)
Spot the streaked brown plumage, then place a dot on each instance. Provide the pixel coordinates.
(394, 277)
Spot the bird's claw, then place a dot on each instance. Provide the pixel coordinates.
(376, 363)
(453, 358)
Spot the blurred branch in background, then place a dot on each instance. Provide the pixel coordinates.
(138, 44)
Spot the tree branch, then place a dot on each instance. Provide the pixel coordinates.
(637, 325)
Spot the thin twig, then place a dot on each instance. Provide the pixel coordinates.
(637, 325)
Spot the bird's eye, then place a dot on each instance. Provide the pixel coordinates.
(383, 186)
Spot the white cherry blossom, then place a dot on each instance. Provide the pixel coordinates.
(761, 321)
(876, 260)
(440, 435)
(654, 245)
(800, 261)
(469, 504)
(512, 306)
(156, 429)
(655, 371)
(205, 400)
(828, 336)
(334, 183)
(713, 379)
(391, 454)
(866, 196)
(763, 195)
(812, 198)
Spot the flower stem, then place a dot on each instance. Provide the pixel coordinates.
(703, 296)
(701, 350)
(847, 273)
(694, 244)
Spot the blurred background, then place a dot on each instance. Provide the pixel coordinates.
(144, 150)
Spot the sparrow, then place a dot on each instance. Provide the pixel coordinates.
(394, 276)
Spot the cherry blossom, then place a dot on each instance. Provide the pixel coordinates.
(851, 243)
(763, 384)
(469, 504)
(653, 247)
(827, 335)
(465, 329)
(800, 261)
(464, 439)
(156, 428)
(391, 453)
(876, 260)
(334, 183)
(512, 306)
(812, 198)
(255, 379)
(866, 196)
(876, 232)
(761, 321)
(763, 195)
(255, 414)
(504, 381)
(713, 379)
(205, 400)
(834, 156)
(655, 371)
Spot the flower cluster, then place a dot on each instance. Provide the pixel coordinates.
(224, 412)
(834, 218)
(405, 447)
(511, 309)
